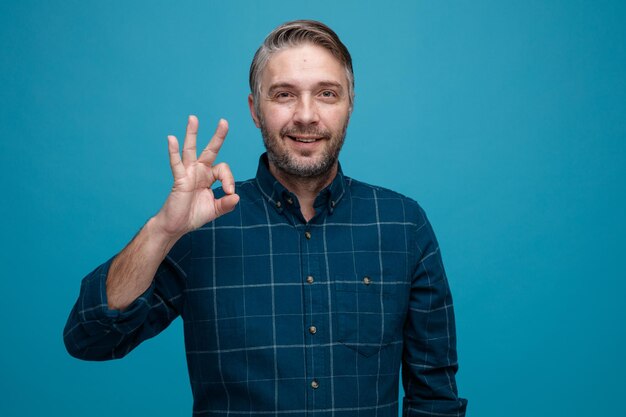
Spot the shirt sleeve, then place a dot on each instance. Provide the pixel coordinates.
(429, 360)
(95, 332)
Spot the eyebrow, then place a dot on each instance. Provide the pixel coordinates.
(321, 84)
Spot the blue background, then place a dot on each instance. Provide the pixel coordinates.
(505, 120)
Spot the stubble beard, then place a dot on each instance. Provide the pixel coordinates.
(287, 163)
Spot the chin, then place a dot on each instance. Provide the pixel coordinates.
(308, 168)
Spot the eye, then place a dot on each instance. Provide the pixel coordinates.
(328, 96)
(283, 96)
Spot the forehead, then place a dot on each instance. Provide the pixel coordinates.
(303, 64)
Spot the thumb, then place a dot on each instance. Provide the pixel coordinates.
(226, 204)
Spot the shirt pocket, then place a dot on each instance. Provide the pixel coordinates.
(369, 313)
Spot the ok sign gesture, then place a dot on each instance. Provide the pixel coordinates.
(191, 203)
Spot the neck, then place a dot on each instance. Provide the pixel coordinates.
(305, 188)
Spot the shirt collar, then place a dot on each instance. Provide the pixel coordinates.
(280, 197)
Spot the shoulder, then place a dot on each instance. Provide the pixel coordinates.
(363, 189)
(388, 199)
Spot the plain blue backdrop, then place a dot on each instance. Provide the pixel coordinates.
(505, 120)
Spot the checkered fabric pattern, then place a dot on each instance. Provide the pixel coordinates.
(288, 318)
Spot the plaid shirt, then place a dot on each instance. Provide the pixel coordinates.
(284, 317)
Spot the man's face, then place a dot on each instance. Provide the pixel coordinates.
(304, 110)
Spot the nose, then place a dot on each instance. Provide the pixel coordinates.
(305, 112)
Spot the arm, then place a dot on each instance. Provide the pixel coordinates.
(190, 205)
(96, 332)
(429, 361)
(138, 293)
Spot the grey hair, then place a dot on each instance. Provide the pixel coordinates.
(294, 33)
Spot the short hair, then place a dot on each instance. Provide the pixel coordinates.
(295, 33)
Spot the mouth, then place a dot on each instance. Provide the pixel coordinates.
(304, 139)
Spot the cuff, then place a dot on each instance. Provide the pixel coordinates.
(432, 408)
(94, 304)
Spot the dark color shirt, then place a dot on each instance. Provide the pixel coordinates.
(287, 317)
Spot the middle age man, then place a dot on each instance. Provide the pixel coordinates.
(304, 291)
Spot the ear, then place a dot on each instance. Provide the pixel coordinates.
(351, 105)
(255, 118)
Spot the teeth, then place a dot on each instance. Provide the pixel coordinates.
(303, 140)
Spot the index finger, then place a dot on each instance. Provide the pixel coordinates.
(209, 154)
(189, 146)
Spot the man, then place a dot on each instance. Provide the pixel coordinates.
(301, 290)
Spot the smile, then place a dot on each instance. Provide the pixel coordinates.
(303, 139)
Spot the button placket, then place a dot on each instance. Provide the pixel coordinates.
(315, 293)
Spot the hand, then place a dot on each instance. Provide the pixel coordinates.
(191, 202)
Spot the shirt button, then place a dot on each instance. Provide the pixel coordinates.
(310, 279)
(367, 280)
(312, 329)
(314, 384)
(333, 204)
(307, 234)
(290, 200)
(278, 204)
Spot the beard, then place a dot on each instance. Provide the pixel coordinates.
(285, 161)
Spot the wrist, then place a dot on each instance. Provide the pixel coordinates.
(159, 236)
